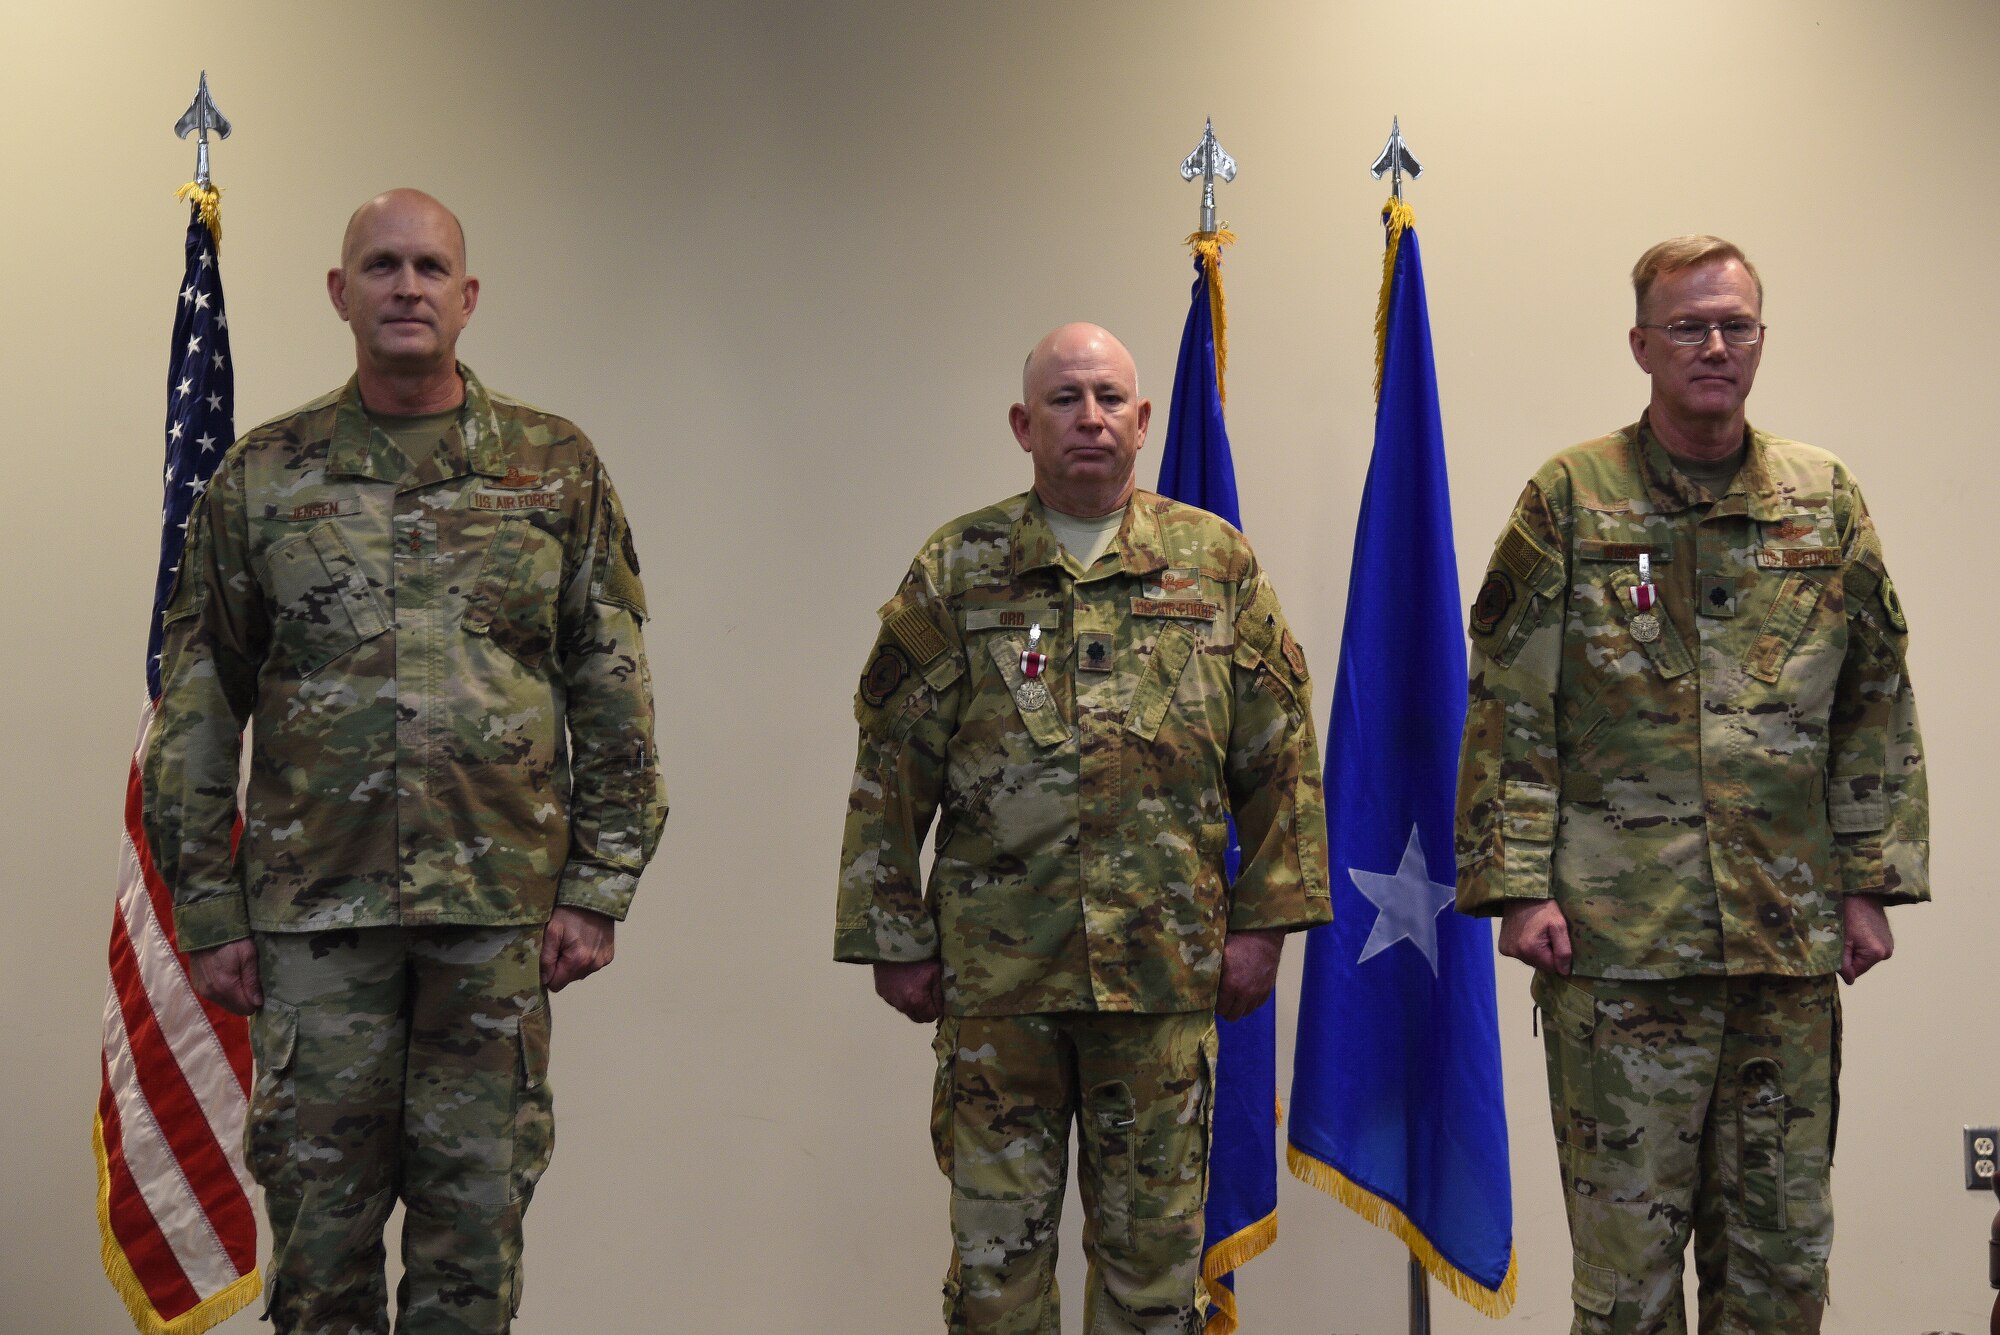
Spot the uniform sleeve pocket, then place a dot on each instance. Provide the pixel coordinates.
(1160, 683)
(1527, 836)
(322, 604)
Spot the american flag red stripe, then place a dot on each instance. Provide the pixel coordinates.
(179, 1233)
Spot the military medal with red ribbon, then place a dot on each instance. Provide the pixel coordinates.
(1646, 623)
(1032, 693)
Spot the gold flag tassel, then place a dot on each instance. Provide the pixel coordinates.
(1488, 1302)
(1232, 1253)
(1207, 247)
(207, 198)
(1396, 215)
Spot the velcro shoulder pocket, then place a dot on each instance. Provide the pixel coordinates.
(1523, 570)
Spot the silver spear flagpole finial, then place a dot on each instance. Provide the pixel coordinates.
(1208, 161)
(202, 116)
(1396, 159)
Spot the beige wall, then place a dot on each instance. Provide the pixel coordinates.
(782, 261)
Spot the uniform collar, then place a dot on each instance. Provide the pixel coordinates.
(1138, 544)
(470, 445)
(1671, 491)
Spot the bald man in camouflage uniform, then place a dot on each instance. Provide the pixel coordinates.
(1691, 781)
(425, 600)
(1087, 681)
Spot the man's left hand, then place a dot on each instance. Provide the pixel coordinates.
(1249, 971)
(576, 944)
(1867, 939)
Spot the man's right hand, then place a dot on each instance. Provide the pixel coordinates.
(1535, 932)
(227, 975)
(917, 990)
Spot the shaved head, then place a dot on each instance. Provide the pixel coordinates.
(397, 200)
(402, 287)
(1081, 419)
(1069, 342)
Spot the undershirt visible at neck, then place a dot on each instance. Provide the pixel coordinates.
(415, 436)
(1711, 475)
(1085, 538)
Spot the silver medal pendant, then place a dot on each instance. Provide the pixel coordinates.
(1031, 695)
(1645, 628)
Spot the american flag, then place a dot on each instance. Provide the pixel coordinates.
(173, 1198)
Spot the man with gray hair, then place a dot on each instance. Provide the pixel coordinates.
(1691, 781)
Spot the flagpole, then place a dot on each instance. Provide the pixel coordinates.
(1394, 160)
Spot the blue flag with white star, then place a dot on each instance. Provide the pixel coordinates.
(1396, 1100)
(1242, 1219)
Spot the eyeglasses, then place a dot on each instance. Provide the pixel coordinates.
(1694, 333)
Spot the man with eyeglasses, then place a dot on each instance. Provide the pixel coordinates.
(1691, 781)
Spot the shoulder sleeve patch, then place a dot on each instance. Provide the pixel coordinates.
(1892, 606)
(1497, 597)
(621, 581)
(1294, 655)
(1522, 554)
(914, 631)
(884, 673)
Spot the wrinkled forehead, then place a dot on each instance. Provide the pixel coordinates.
(406, 226)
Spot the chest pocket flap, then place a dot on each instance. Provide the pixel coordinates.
(1161, 681)
(514, 601)
(1790, 611)
(1045, 724)
(322, 605)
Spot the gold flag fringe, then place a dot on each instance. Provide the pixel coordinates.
(211, 1311)
(1495, 1303)
(1396, 215)
(1233, 1252)
(209, 200)
(1208, 247)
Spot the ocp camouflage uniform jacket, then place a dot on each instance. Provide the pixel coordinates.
(1079, 859)
(1696, 803)
(452, 716)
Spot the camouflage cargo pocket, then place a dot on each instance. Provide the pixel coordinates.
(1569, 1016)
(321, 603)
(1173, 1151)
(272, 1127)
(534, 1107)
(1593, 1288)
(514, 601)
(944, 1046)
(1760, 1145)
(1111, 1127)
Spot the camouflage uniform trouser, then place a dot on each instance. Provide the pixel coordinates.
(1703, 1106)
(1140, 1090)
(399, 1062)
